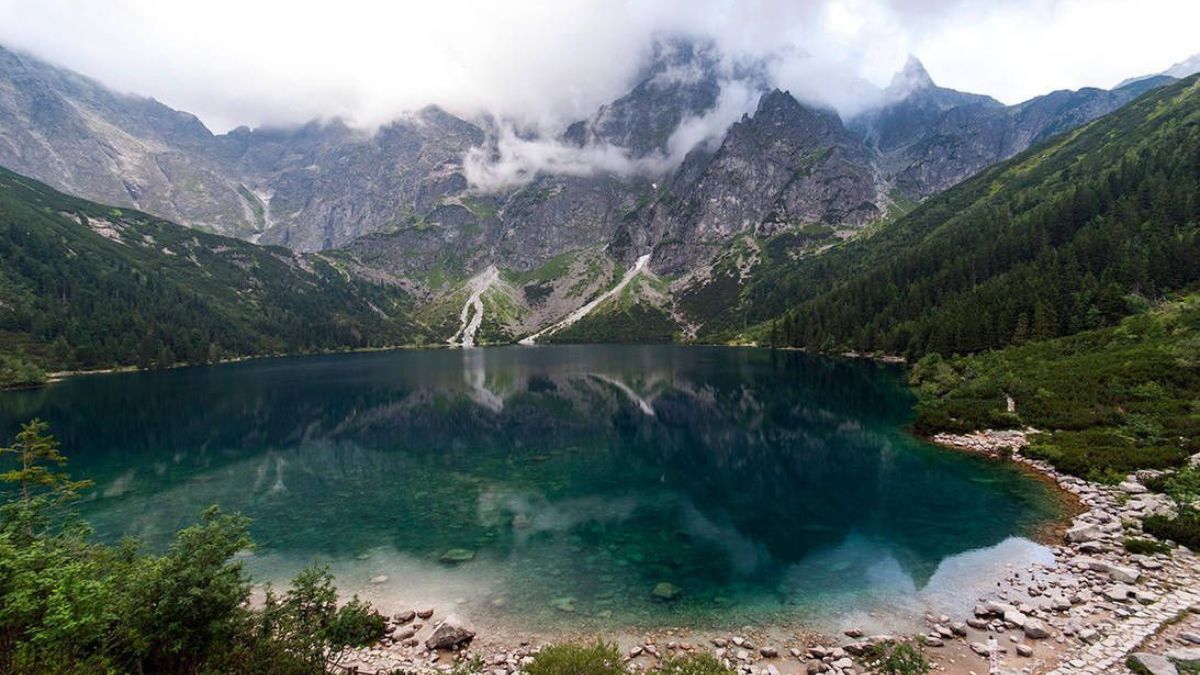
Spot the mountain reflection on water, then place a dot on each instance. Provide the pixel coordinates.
(762, 484)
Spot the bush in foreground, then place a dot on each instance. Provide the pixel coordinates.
(598, 658)
(1183, 529)
(603, 658)
(70, 605)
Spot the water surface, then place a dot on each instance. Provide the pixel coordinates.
(764, 486)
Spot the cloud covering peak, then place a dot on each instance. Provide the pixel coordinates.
(234, 62)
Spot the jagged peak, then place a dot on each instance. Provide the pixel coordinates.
(776, 98)
(912, 77)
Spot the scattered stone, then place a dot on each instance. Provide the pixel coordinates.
(424, 613)
(404, 617)
(1132, 488)
(1187, 657)
(1154, 663)
(1035, 629)
(1125, 575)
(1083, 532)
(1024, 650)
(451, 633)
(1015, 618)
(380, 579)
(1193, 638)
(769, 652)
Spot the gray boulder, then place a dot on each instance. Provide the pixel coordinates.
(1188, 657)
(452, 633)
(1035, 629)
(1153, 663)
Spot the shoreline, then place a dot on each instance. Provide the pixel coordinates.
(61, 375)
(1085, 613)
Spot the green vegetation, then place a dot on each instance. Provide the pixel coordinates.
(1108, 401)
(69, 605)
(1183, 529)
(1183, 486)
(599, 658)
(1138, 546)
(603, 658)
(699, 663)
(627, 317)
(89, 287)
(552, 269)
(15, 371)
(1069, 236)
(900, 658)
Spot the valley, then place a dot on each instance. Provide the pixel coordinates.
(751, 365)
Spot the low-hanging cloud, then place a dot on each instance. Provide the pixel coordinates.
(545, 63)
(515, 159)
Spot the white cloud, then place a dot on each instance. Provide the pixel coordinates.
(517, 159)
(545, 62)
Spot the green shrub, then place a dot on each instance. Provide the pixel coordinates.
(1182, 485)
(700, 663)
(902, 658)
(1101, 454)
(1139, 546)
(1183, 529)
(17, 372)
(70, 605)
(598, 658)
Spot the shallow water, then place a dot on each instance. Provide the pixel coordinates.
(765, 486)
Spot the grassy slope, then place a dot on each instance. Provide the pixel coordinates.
(1109, 400)
(84, 286)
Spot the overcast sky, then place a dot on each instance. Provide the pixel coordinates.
(256, 62)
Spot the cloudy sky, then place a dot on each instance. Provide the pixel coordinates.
(274, 62)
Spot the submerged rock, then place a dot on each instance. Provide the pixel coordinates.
(457, 555)
(666, 590)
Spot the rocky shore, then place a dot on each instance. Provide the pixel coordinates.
(1097, 606)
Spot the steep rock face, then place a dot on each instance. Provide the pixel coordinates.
(681, 81)
(929, 138)
(787, 164)
(129, 151)
(325, 185)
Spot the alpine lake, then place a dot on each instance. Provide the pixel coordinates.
(581, 487)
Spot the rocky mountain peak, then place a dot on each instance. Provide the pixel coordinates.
(911, 78)
(680, 80)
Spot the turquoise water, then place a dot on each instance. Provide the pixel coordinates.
(765, 486)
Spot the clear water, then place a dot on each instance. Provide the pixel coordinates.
(765, 486)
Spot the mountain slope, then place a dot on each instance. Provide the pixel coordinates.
(1112, 400)
(1062, 238)
(86, 286)
(930, 138)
